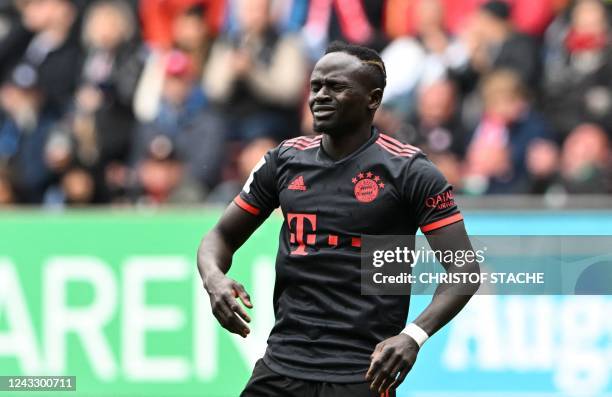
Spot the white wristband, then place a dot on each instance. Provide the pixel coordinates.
(416, 333)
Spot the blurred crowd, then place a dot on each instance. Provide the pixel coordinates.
(174, 101)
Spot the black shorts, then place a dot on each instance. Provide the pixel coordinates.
(266, 383)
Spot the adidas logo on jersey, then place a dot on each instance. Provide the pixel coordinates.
(297, 184)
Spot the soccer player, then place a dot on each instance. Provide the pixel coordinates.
(330, 340)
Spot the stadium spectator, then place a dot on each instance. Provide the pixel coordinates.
(353, 21)
(196, 133)
(159, 19)
(529, 17)
(95, 137)
(586, 161)
(14, 37)
(53, 53)
(83, 98)
(111, 70)
(491, 42)
(162, 178)
(419, 59)
(257, 77)
(77, 187)
(542, 162)
(496, 155)
(578, 69)
(25, 124)
(226, 191)
(581, 167)
(287, 16)
(437, 129)
(291, 15)
(556, 31)
(191, 35)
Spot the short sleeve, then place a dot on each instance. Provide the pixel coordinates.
(429, 196)
(259, 195)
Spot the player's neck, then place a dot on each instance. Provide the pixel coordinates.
(339, 147)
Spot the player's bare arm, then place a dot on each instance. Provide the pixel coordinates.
(393, 358)
(214, 260)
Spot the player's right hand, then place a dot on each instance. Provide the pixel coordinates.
(391, 361)
(224, 293)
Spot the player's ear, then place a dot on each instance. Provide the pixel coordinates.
(375, 98)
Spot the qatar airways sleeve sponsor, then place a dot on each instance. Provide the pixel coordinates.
(441, 201)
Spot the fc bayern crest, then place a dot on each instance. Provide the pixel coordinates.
(367, 186)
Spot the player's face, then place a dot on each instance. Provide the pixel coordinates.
(339, 95)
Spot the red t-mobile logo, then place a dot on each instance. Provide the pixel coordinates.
(298, 233)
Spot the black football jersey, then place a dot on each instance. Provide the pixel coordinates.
(325, 329)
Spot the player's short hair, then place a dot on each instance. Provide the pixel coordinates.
(368, 56)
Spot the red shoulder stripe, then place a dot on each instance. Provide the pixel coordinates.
(314, 144)
(392, 150)
(398, 149)
(398, 143)
(304, 146)
(295, 142)
(303, 139)
(402, 148)
(304, 143)
(297, 138)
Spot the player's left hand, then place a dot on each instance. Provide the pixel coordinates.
(391, 361)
